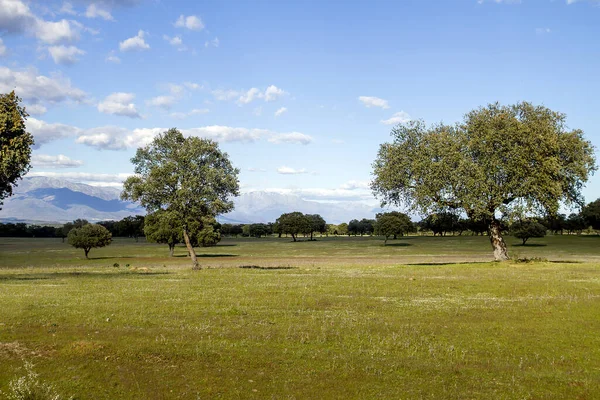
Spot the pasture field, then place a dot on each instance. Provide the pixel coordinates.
(420, 318)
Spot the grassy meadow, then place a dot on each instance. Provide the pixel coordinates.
(420, 318)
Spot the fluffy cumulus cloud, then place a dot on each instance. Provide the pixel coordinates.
(36, 109)
(17, 18)
(119, 104)
(35, 88)
(191, 22)
(118, 138)
(44, 132)
(59, 161)
(271, 93)
(369, 102)
(398, 118)
(291, 171)
(136, 43)
(65, 55)
(97, 11)
(281, 111)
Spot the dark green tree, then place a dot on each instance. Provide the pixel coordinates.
(499, 158)
(527, 229)
(591, 214)
(163, 227)
(258, 230)
(188, 177)
(318, 224)
(393, 224)
(15, 144)
(88, 237)
(295, 223)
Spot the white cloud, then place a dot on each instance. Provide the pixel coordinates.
(212, 43)
(67, 8)
(119, 104)
(398, 118)
(291, 171)
(44, 132)
(354, 185)
(175, 41)
(136, 43)
(249, 96)
(39, 88)
(95, 11)
(59, 161)
(369, 102)
(2, 48)
(56, 32)
(17, 18)
(85, 177)
(191, 22)
(273, 93)
(292, 138)
(192, 85)
(165, 102)
(281, 111)
(225, 95)
(66, 55)
(36, 109)
(111, 57)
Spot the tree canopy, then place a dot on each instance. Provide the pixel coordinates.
(527, 229)
(393, 223)
(89, 236)
(295, 223)
(15, 144)
(188, 177)
(498, 158)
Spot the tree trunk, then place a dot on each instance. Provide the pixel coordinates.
(86, 253)
(171, 250)
(294, 237)
(311, 236)
(498, 244)
(190, 249)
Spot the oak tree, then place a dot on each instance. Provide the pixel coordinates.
(191, 178)
(498, 158)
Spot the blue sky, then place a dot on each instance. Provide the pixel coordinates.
(300, 94)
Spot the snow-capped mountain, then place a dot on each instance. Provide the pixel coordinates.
(44, 199)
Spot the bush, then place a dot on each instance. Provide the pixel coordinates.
(525, 230)
(29, 387)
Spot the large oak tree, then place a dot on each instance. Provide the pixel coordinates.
(15, 143)
(498, 159)
(190, 178)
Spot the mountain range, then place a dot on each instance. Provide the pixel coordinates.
(51, 200)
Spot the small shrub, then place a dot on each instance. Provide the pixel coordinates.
(127, 265)
(29, 387)
(116, 265)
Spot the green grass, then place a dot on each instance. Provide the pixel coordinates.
(347, 318)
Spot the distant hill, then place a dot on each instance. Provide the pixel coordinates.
(50, 200)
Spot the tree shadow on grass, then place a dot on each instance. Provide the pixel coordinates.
(207, 255)
(435, 264)
(36, 276)
(401, 244)
(529, 245)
